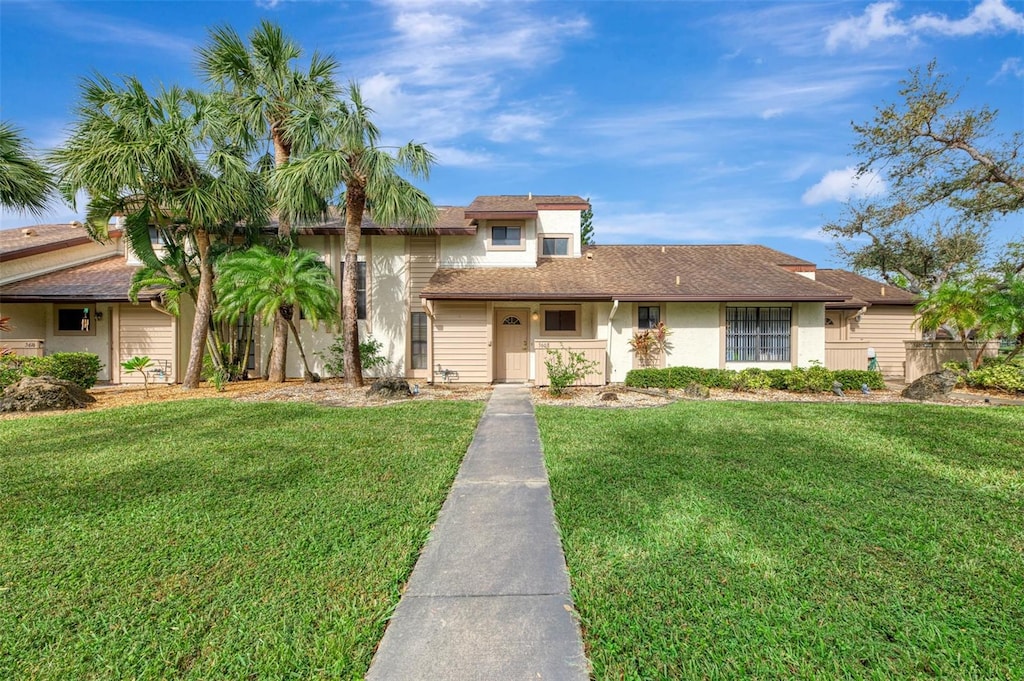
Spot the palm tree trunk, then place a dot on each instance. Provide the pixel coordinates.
(279, 351)
(355, 204)
(204, 306)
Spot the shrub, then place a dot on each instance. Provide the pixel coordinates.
(751, 379)
(565, 368)
(370, 357)
(1006, 377)
(81, 368)
(853, 379)
(650, 378)
(814, 378)
(12, 368)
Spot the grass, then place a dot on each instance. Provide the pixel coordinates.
(752, 540)
(210, 539)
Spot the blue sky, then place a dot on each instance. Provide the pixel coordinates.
(684, 122)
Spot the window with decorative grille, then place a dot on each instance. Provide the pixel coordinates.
(758, 334)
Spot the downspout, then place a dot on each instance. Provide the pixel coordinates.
(156, 305)
(611, 316)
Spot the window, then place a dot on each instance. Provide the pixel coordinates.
(419, 340)
(648, 316)
(360, 288)
(555, 246)
(757, 334)
(506, 236)
(561, 321)
(75, 321)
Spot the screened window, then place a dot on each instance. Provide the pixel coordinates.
(560, 320)
(419, 340)
(648, 317)
(757, 334)
(555, 246)
(360, 289)
(506, 236)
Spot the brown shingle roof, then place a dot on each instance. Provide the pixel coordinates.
(864, 291)
(705, 273)
(15, 243)
(106, 280)
(520, 206)
(451, 220)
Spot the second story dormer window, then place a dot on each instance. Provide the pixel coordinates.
(506, 236)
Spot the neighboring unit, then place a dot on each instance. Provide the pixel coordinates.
(878, 316)
(64, 292)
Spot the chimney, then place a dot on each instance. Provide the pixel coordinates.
(883, 290)
(530, 196)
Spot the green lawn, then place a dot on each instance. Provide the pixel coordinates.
(753, 540)
(209, 539)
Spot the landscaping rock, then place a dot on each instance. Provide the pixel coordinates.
(933, 386)
(697, 391)
(44, 393)
(390, 387)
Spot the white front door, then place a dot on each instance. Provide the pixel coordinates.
(511, 351)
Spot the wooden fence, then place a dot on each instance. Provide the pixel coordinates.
(593, 350)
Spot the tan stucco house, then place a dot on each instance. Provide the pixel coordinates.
(478, 299)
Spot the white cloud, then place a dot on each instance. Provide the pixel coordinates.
(769, 114)
(1012, 67)
(843, 185)
(99, 28)
(879, 23)
(989, 16)
(513, 127)
(460, 158)
(448, 70)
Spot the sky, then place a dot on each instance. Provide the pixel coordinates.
(683, 122)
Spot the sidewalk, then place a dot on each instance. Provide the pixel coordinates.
(489, 597)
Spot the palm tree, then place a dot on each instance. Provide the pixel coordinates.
(161, 162)
(25, 183)
(361, 177)
(264, 92)
(262, 283)
(962, 306)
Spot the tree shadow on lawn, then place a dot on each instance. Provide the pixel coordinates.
(888, 555)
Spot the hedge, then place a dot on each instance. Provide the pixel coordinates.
(81, 368)
(814, 379)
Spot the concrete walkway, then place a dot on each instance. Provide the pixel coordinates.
(489, 598)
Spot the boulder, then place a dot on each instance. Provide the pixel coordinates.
(697, 391)
(609, 397)
(390, 387)
(933, 386)
(44, 393)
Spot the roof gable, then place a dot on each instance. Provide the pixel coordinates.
(864, 291)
